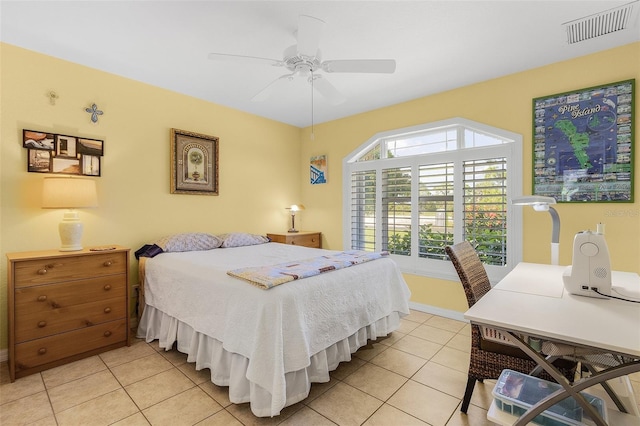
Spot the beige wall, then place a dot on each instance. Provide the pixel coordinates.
(258, 160)
(263, 164)
(504, 103)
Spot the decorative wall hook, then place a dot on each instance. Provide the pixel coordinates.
(52, 97)
(95, 112)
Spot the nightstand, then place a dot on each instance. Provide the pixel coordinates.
(302, 238)
(64, 306)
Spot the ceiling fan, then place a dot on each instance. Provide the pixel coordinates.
(304, 59)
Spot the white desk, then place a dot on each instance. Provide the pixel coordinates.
(531, 300)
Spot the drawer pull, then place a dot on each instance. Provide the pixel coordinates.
(42, 324)
(42, 351)
(107, 287)
(42, 271)
(54, 305)
(42, 298)
(88, 323)
(107, 333)
(107, 310)
(108, 263)
(293, 243)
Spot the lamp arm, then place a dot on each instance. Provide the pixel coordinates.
(555, 232)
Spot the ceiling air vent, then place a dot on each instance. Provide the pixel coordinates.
(599, 24)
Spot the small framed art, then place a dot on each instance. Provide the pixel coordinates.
(318, 169)
(194, 163)
(583, 144)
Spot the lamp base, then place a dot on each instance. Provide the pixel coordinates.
(293, 223)
(70, 232)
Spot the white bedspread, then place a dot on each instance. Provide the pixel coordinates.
(278, 330)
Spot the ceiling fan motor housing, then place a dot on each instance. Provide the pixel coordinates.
(301, 64)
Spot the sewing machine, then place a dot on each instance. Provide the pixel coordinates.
(590, 271)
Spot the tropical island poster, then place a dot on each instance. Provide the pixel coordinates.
(583, 144)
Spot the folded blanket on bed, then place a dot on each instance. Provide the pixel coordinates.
(270, 276)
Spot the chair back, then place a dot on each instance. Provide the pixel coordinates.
(470, 269)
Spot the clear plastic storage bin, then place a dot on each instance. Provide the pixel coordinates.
(516, 392)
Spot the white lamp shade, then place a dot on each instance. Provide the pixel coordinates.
(296, 207)
(68, 193)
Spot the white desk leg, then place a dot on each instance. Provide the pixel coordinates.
(557, 396)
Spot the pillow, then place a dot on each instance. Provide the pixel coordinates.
(188, 242)
(239, 239)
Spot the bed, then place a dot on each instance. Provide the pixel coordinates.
(266, 345)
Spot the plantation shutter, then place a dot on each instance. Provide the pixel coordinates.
(485, 208)
(363, 210)
(396, 210)
(435, 186)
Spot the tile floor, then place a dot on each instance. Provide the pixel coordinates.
(415, 377)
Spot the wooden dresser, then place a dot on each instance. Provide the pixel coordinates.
(302, 238)
(64, 306)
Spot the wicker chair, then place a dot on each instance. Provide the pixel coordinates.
(488, 358)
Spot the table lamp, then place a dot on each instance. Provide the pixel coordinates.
(69, 193)
(294, 208)
(542, 204)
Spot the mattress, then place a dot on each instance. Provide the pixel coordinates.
(269, 345)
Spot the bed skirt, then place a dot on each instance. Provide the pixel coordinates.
(229, 369)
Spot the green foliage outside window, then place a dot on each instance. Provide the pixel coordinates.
(486, 234)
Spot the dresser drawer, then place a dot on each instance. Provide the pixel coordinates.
(34, 325)
(49, 349)
(64, 295)
(52, 270)
(305, 239)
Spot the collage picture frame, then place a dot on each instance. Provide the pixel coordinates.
(62, 154)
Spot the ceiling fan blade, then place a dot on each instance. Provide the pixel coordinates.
(327, 90)
(265, 93)
(244, 59)
(387, 66)
(309, 33)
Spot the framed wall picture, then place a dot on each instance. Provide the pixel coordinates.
(583, 144)
(38, 140)
(92, 147)
(318, 169)
(194, 163)
(64, 154)
(65, 146)
(39, 160)
(90, 165)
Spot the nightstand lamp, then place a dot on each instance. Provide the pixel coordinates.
(543, 204)
(69, 193)
(294, 208)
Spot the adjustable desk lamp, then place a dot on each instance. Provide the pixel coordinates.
(541, 204)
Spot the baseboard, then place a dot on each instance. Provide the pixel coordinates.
(434, 310)
(133, 323)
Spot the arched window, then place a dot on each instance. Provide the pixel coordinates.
(415, 190)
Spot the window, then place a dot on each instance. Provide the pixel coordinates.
(414, 191)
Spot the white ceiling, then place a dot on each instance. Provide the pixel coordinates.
(438, 45)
